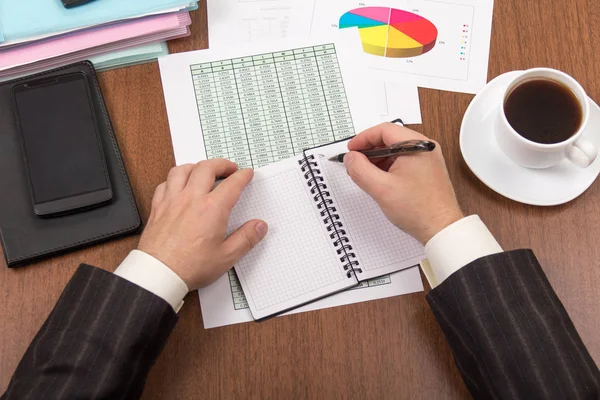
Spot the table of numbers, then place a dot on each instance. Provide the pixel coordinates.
(239, 298)
(264, 108)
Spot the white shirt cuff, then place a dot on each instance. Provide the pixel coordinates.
(149, 273)
(456, 246)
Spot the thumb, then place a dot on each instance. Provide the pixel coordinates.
(366, 175)
(240, 242)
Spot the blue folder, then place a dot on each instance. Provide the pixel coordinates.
(132, 56)
(21, 19)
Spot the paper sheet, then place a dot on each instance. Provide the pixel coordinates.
(231, 22)
(239, 21)
(454, 53)
(264, 102)
(398, 100)
(223, 302)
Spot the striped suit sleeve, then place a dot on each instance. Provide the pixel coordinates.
(99, 342)
(510, 334)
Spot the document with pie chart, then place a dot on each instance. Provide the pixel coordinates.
(390, 32)
(438, 44)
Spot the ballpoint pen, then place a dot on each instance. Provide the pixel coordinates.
(399, 149)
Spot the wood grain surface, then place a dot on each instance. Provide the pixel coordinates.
(389, 348)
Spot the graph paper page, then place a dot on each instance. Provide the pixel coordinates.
(296, 263)
(380, 247)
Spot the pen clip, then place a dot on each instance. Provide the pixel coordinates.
(412, 145)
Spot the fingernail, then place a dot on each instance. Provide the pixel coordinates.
(261, 230)
(348, 159)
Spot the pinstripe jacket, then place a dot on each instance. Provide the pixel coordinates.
(510, 335)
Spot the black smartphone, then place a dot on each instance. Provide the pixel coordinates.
(74, 3)
(62, 149)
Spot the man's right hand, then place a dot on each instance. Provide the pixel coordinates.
(414, 192)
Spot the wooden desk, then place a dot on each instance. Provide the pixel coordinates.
(382, 349)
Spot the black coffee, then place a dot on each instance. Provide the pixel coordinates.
(544, 111)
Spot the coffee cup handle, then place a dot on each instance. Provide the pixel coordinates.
(582, 153)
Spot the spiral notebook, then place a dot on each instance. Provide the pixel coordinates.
(325, 234)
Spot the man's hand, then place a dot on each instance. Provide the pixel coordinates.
(188, 222)
(414, 192)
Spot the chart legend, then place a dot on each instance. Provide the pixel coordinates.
(390, 32)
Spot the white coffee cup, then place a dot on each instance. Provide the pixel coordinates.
(531, 154)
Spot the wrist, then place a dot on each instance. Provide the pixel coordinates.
(438, 223)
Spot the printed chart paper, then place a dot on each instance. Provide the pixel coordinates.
(236, 22)
(239, 21)
(441, 44)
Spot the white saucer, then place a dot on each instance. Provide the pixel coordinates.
(540, 187)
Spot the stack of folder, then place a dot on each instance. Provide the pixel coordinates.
(36, 35)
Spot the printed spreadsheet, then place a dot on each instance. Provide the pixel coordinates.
(260, 109)
(239, 298)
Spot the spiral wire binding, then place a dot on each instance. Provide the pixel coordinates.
(322, 197)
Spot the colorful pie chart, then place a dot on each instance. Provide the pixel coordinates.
(389, 32)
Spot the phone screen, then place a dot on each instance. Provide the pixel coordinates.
(62, 150)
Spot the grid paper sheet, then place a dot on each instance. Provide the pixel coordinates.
(298, 262)
(381, 248)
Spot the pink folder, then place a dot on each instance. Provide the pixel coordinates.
(94, 41)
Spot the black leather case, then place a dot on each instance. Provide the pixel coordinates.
(27, 237)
